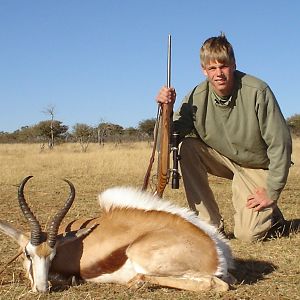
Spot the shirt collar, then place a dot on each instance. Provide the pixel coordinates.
(223, 101)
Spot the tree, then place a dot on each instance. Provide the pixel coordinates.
(294, 124)
(6, 137)
(147, 126)
(50, 130)
(131, 131)
(108, 130)
(83, 134)
(50, 111)
(25, 134)
(102, 132)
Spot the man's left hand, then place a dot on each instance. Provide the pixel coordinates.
(259, 200)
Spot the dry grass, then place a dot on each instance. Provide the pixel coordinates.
(268, 270)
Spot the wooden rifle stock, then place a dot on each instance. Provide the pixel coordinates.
(163, 172)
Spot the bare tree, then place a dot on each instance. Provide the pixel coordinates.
(50, 110)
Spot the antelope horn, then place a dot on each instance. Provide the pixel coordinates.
(35, 227)
(53, 230)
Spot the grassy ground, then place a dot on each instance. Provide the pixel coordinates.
(265, 270)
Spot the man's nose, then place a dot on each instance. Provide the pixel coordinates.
(219, 71)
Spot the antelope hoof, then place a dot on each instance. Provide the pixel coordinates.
(137, 282)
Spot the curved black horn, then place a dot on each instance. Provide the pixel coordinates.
(35, 227)
(53, 229)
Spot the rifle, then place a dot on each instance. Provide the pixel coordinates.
(163, 124)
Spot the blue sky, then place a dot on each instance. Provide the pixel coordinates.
(105, 60)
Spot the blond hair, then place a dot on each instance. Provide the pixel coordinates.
(217, 49)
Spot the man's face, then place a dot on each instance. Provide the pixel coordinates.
(221, 77)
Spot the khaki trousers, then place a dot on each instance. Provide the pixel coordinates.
(197, 160)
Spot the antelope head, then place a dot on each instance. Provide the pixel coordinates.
(40, 249)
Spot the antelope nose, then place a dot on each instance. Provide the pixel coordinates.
(43, 289)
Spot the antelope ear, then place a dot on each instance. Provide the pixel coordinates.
(68, 237)
(14, 233)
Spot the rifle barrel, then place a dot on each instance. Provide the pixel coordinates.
(169, 61)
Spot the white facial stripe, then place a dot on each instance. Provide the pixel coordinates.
(38, 268)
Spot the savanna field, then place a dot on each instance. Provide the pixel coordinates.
(264, 270)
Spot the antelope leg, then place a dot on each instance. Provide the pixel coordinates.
(202, 283)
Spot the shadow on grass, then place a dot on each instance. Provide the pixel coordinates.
(293, 226)
(284, 229)
(252, 271)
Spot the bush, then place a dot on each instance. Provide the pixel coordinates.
(294, 124)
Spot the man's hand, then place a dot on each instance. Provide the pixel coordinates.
(166, 95)
(259, 200)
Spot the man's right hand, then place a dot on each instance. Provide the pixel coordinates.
(259, 200)
(166, 95)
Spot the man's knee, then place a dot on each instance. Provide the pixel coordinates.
(248, 235)
(252, 226)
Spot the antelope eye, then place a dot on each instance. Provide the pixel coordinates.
(27, 255)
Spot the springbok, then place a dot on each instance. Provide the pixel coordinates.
(138, 238)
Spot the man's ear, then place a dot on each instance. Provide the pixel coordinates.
(204, 71)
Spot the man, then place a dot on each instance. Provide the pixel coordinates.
(231, 126)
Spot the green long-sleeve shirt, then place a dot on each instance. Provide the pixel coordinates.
(250, 130)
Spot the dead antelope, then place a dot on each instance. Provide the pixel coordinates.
(138, 238)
